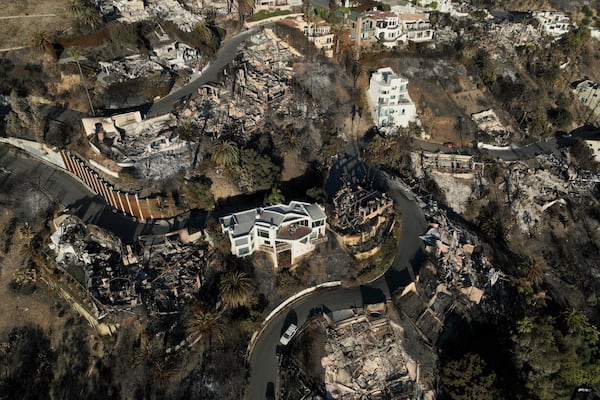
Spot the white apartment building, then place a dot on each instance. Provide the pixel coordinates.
(286, 232)
(553, 23)
(390, 103)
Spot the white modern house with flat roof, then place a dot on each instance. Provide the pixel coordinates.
(588, 92)
(390, 104)
(286, 232)
(553, 23)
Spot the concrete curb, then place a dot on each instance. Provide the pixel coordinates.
(283, 305)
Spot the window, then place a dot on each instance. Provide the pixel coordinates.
(243, 251)
(392, 97)
(403, 111)
(303, 241)
(394, 87)
(241, 241)
(263, 233)
(318, 223)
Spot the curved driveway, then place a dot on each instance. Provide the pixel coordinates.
(263, 361)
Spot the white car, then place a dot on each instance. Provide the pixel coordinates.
(288, 335)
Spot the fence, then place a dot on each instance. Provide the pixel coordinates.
(128, 203)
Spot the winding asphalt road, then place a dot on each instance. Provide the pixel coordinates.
(224, 56)
(69, 192)
(263, 360)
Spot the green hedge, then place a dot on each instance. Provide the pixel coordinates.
(264, 14)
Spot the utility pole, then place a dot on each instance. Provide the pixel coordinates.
(74, 53)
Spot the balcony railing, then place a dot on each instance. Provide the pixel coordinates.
(279, 247)
(319, 240)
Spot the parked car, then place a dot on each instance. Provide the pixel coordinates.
(450, 145)
(288, 334)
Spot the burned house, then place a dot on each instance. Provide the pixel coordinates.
(150, 145)
(258, 83)
(489, 124)
(172, 274)
(447, 163)
(361, 216)
(119, 277)
(366, 357)
(93, 257)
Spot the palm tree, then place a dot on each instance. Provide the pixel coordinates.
(162, 374)
(206, 111)
(275, 197)
(225, 154)
(245, 8)
(203, 324)
(26, 232)
(85, 12)
(42, 42)
(147, 354)
(340, 36)
(186, 130)
(235, 289)
(290, 140)
(576, 321)
(534, 271)
(525, 326)
(204, 33)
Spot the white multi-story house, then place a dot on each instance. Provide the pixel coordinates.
(588, 92)
(390, 103)
(286, 232)
(316, 30)
(553, 23)
(415, 27)
(387, 27)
